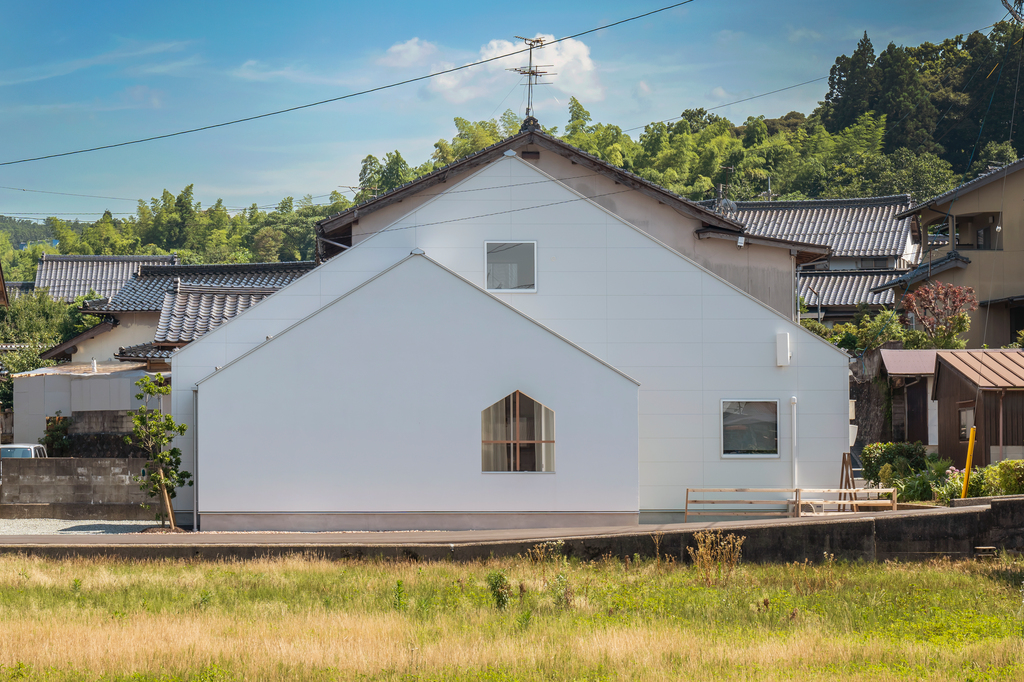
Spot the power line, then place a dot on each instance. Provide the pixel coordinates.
(66, 194)
(342, 97)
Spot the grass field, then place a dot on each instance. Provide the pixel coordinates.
(308, 618)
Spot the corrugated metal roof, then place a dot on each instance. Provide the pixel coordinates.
(908, 362)
(987, 369)
(192, 311)
(146, 290)
(143, 351)
(67, 277)
(853, 228)
(846, 287)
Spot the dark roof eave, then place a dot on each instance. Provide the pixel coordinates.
(326, 226)
(808, 250)
(966, 187)
(924, 271)
(61, 349)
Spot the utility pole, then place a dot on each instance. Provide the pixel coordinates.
(533, 73)
(1015, 8)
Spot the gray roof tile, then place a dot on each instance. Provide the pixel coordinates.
(846, 287)
(146, 290)
(854, 228)
(18, 289)
(67, 277)
(192, 311)
(143, 351)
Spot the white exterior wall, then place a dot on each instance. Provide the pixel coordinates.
(687, 336)
(933, 414)
(391, 423)
(38, 396)
(133, 329)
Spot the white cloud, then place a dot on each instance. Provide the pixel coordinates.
(56, 69)
(253, 70)
(410, 53)
(799, 35)
(166, 68)
(571, 71)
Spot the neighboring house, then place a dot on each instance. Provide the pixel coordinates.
(16, 290)
(79, 391)
(982, 225)
(985, 389)
(68, 277)
(915, 415)
(870, 244)
(393, 387)
(137, 320)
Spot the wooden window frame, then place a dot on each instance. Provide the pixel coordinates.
(516, 442)
(962, 407)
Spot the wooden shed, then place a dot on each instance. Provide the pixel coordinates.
(982, 388)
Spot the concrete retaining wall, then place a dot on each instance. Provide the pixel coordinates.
(71, 481)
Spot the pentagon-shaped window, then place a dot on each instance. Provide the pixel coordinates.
(518, 435)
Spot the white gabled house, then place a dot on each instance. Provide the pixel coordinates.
(369, 393)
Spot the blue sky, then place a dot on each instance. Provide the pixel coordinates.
(75, 75)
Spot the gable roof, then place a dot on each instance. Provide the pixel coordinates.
(67, 277)
(330, 228)
(67, 349)
(976, 183)
(418, 256)
(846, 287)
(852, 228)
(986, 369)
(146, 291)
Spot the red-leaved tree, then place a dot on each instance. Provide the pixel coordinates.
(942, 309)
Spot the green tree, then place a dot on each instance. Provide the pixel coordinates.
(266, 246)
(152, 432)
(942, 310)
(852, 87)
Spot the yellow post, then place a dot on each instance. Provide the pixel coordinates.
(967, 471)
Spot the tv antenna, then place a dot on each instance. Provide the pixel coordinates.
(532, 72)
(1016, 8)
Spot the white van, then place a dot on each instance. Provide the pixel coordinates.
(22, 451)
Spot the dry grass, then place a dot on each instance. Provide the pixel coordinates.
(307, 618)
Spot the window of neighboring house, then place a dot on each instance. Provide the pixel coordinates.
(518, 434)
(750, 428)
(511, 266)
(966, 411)
(874, 263)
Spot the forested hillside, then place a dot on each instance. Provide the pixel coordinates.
(916, 120)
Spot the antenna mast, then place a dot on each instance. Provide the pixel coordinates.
(1015, 8)
(532, 72)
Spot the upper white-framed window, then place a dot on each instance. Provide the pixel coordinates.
(750, 429)
(510, 267)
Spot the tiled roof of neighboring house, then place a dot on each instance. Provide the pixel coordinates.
(927, 269)
(18, 289)
(67, 277)
(980, 181)
(900, 362)
(146, 290)
(191, 311)
(846, 287)
(987, 369)
(853, 228)
(143, 351)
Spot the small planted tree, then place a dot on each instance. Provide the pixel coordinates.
(942, 309)
(153, 432)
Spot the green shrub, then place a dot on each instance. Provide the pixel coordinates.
(1009, 476)
(501, 589)
(953, 486)
(905, 458)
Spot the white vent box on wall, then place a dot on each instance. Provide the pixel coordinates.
(782, 352)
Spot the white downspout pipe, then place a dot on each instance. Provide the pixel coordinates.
(195, 459)
(792, 439)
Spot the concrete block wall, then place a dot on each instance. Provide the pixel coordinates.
(71, 481)
(100, 421)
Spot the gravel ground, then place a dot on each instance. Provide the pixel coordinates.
(62, 527)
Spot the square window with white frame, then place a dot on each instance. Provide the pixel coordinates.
(750, 428)
(511, 266)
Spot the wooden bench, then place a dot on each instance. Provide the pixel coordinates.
(793, 506)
